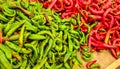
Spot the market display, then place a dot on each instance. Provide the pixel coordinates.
(47, 34)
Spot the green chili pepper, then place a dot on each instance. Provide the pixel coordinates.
(39, 65)
(67, 65)
(4, 61)
(47, 65)
(9, 25)
(6, 51)
(62, 27)
(42, 48)
(76, 43)
(73, 21)
(39, 20)
(17, 65)
(96, 65)
(88, 58)
(26, 36)
(58, 46)
(57, 18)
(31, 27)
(25, 51)
(28, 66)
(94, 24)
(78, 21)
(24, 64)
(20, 40)
(59, 66)
(35, 55)
(21, 15)
(78, 60)
(82, 38)
(46, 32)
(36, 37)
(74, 32)
(18, 2)
(3, 18)
(6, 9)
(64, 51)
(11, 15)
(25, 3)
(67, 56)
(12, 46)
(65, 36)
(1, 66)
(70, 43)
(48, 47)
(11, 31)
(88, 26)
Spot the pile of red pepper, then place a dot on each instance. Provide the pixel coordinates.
(106, 34)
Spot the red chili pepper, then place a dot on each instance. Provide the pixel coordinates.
(117, 7)
(100, 44)
(52, 4)
(115, 41)
(58, 6)
(97, 1)
(75, 27)
(46, 4)
(118, 34)
(96, 12)
(84, 3)
(69, 4)
(105, 14)
(112, 20)
(117, 1)
(114, 53)
(84, 29)
(116, 22)
(90, 63)
(94, 5)
(96, 17)
(67, 14)
(108, 4)
(117, 17)
(97, 36)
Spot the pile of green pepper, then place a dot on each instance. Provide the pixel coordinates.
(37, 38)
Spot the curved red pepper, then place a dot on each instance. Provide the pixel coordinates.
(84, 3)
(96, 17)
(100, 44)
(58, 6)
(46, 4)
(84, 29)
(52, 4)
(94, 5)
(68, 4)
(112, 20)
(117, 17)
(66, 14)
(114, 53)
(90, 63)
(96, 12)
(108, 4)
(105, 14)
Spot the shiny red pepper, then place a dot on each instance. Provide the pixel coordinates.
(113, 53)
(90, 63)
